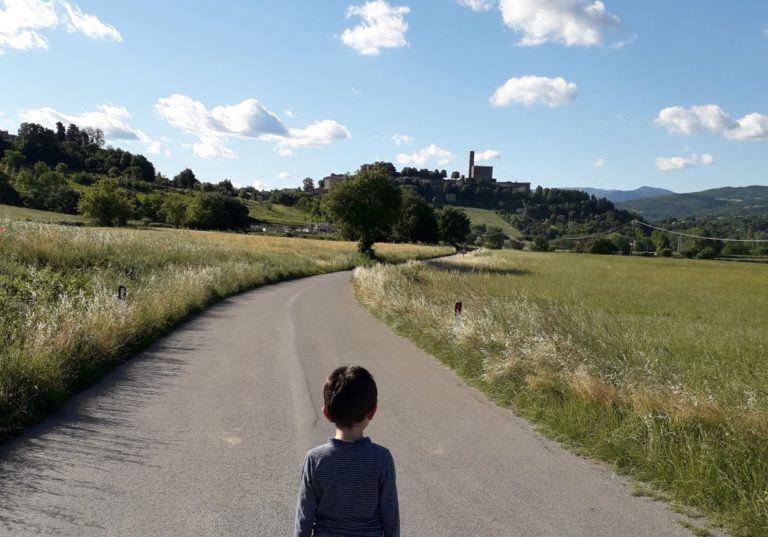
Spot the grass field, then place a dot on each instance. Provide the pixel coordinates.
(659, 366)
(62, 326)
(273, 213)
(490, 218)
(9, 212)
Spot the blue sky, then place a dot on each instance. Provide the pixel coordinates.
(612, 94)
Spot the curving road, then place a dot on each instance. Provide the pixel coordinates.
(205, 432)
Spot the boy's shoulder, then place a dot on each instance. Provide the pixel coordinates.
(335, 446)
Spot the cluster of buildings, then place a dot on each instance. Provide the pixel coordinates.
(443, 188)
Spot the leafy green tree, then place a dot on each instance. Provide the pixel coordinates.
(216, 211)
(186, 179)
(364, 207)
(38, 144)
(454, 225)
(41, 188)
(494, 238)
(12, 161)
(174, 208)
(308, 184)
(417, 221)
(8, 195)
(540, 244)
(107, 203)
(603, 246)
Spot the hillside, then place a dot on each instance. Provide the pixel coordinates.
(621, 196)
(727, 201)
(489, 219)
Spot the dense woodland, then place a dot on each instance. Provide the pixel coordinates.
(71, 170)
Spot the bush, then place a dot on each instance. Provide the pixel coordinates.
(603, 247)
(707, 252)
(665, 252)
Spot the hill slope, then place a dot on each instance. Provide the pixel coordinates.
(620, 196)
(727, 201)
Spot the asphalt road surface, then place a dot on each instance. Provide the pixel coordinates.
(205, 432)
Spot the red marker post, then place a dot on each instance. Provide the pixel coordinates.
(457, 311)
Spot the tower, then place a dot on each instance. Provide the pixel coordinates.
(471, 173)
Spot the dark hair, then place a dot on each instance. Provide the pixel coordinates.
(349, 395)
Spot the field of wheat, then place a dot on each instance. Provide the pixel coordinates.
(659, 366)
(62, 323)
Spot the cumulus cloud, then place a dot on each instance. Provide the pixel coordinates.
(681, 163)
(283, 175)
(22, 23)
(420, 158)
(288, 113)
(248, 119)
(567, 22)
(383, 26)
(109, 118)
(260, 185)
(402, 139)
(599, 163)
(478, 5)
(529, 90)
(488, 154)
(713, 119)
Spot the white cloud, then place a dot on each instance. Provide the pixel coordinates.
(420, 158)
(288, 113)
(260, 185)
(478, 5)
(21, 23)
(529, 90)
(402, 139)
(488, 154)
(681, 163)
(248, 119)
(383, 26)
(750, 127)
(711, 118)
(599, 163)
(567, 22)
(77, 21)
(283, 175)
(283, 151)
(109, 118)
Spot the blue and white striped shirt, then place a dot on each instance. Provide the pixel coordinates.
(348, 489)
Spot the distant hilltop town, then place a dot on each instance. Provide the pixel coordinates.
(442, 188)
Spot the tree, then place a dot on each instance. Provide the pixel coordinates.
(186, 179)
(603, 246)
(454, 225)
(13, 161)
(455, 175)
(364, 207)
(175, 210)
(417, 221)
(494, 238)
(38, 144)
(39, 187)
(308, 184)
(8, 196)
(216, 211)
(107, 203)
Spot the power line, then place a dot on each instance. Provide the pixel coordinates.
(697, 236)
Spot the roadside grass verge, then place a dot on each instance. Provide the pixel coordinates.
(659, 366)
(62, 326)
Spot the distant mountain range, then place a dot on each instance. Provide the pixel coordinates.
(621, 196)
(727, 201)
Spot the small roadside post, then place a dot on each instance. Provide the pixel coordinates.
(457, 311)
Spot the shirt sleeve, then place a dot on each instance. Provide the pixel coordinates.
(306, 505)
(388, 504)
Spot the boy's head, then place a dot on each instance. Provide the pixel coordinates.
(349, 395)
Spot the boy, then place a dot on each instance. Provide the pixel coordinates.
(347, 486)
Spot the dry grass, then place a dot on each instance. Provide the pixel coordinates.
(61, 324)
(659, 366)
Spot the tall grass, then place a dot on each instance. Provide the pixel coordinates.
(659, 366)
(61, 324)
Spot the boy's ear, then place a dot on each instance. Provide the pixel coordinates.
(371, 413)
(325, 413)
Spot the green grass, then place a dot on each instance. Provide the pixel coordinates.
(273, 213)
(62, 327)
(490, 218)
(32, 215)
(659, 366)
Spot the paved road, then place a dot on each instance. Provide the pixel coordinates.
(205, 432)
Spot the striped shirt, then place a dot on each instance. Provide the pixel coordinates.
(348, 489)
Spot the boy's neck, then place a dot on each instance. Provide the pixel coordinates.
(353, 434)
